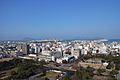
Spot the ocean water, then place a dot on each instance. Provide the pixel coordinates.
(112, 40)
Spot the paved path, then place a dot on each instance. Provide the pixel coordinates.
(118, 76)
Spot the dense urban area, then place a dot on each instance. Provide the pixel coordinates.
(60, 60)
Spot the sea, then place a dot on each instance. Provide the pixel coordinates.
(113, 40)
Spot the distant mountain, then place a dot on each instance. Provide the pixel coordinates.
(27, 38)
(88, 38)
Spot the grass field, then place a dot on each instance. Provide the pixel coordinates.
(51, 74)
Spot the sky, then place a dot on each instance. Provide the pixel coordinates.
(62, 19)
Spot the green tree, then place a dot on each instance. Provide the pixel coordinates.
(117, 67)
(100, 71)
(103, 61)
(114, 72)
(84, 73)
(13, 73)
(66, 78)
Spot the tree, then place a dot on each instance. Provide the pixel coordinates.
(103, 61)
(117, 67)
(64, 62)
(84, 73)
(89, 69)
(100, 71)
(25, 69)
(66, 78)
(46, 78)
(13, 73)
(114, 72)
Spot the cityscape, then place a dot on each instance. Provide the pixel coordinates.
(59, 40)
(62, 59)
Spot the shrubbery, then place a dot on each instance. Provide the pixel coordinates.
(24, 68)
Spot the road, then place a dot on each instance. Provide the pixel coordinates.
(118, 76)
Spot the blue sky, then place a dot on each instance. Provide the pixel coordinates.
(61, 19)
